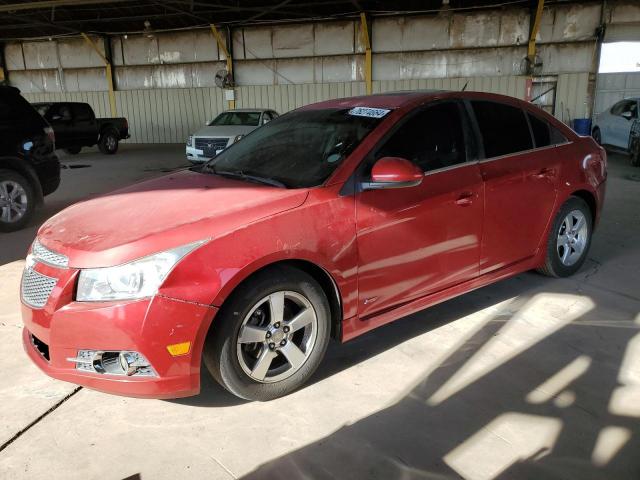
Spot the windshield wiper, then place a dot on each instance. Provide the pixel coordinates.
(246, 176)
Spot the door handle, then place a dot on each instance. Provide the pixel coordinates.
(465, 199)
(545, 173)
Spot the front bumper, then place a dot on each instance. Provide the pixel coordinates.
(146, 326)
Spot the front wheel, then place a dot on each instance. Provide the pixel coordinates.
(108, 142)
(270, 336)
(569, 239)
(597, 136)
(73, 150)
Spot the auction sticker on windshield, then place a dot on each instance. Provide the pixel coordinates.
(369, 112)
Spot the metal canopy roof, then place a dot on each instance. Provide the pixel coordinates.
(32, 19)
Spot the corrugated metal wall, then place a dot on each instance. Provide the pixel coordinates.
(615, 86)
(169, 115)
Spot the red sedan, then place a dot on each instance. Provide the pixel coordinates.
(330, 221)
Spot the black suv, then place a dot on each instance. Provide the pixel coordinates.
(29, 168)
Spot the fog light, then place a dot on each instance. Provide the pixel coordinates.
(113, 363)
(178, 349)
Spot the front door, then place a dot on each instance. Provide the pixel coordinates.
(417, 240)
(520, 183)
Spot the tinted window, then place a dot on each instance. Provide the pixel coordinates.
(504, 128)
(541, 131)
(299, 149)
(5, 115)
(82, 112)
(431, 139)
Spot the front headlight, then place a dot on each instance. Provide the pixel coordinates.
(189, 140)
(138, 279)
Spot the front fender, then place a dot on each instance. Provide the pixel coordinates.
(321, 231)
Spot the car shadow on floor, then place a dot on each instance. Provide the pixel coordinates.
(562, 406)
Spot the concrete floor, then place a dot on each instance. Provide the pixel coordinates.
(527, 378)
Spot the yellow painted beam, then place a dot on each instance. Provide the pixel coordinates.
(2, 77)
(223, 48)
(366, 42)
(108, 73)
(531, 50)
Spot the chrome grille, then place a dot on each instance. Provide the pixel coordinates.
(210, 146)
(44, 255)
(36, 288)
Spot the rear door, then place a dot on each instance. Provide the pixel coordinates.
(520, 185)
(84, 124)
(60, 117)
(418, 240)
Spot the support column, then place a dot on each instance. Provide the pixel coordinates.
(531, 49)
(227, 55)
(366, 42)
(108, 72)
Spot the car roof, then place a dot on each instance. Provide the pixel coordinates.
(410, 98)
(248, 110)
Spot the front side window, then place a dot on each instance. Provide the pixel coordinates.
(503, 128)
(432, 138)
(625, 106)
(300, 149)
(247, 119)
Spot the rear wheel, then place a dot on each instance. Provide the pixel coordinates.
(108, 142)
(270, 336)
(569, 239)
(16, 201)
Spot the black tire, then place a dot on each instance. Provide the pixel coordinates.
(108, 142)
(634, 152)
(221, 352)
(16, 178)
(597, 136)
(73, 150)
(553, 266)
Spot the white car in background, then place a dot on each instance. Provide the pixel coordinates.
(613, 126)
(224, 130)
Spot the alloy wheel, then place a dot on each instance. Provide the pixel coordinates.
(572, 238)
(277, 336)
(14, 202)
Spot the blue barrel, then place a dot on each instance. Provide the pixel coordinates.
(582, 126)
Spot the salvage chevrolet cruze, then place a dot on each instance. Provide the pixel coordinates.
(327, 222)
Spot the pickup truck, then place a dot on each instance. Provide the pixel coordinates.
(76, 126)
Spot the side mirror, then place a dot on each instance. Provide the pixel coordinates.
(394, 172)
(627, 115)
(56, 117)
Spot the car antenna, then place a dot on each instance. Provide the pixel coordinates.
(465, 87)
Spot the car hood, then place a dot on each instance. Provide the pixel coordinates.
(224, 131)
(160, 214)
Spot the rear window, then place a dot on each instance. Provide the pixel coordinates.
(22, 112)
(504, 128)
(82, 111)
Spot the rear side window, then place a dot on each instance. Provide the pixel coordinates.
(504, 128)
(432, 139)
(82, 111)
(5, 115)
(541, 131)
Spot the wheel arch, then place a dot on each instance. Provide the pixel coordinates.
(320, 274)
(590, 199)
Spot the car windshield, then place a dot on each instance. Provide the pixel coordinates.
(248, 119)
(297, 150)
